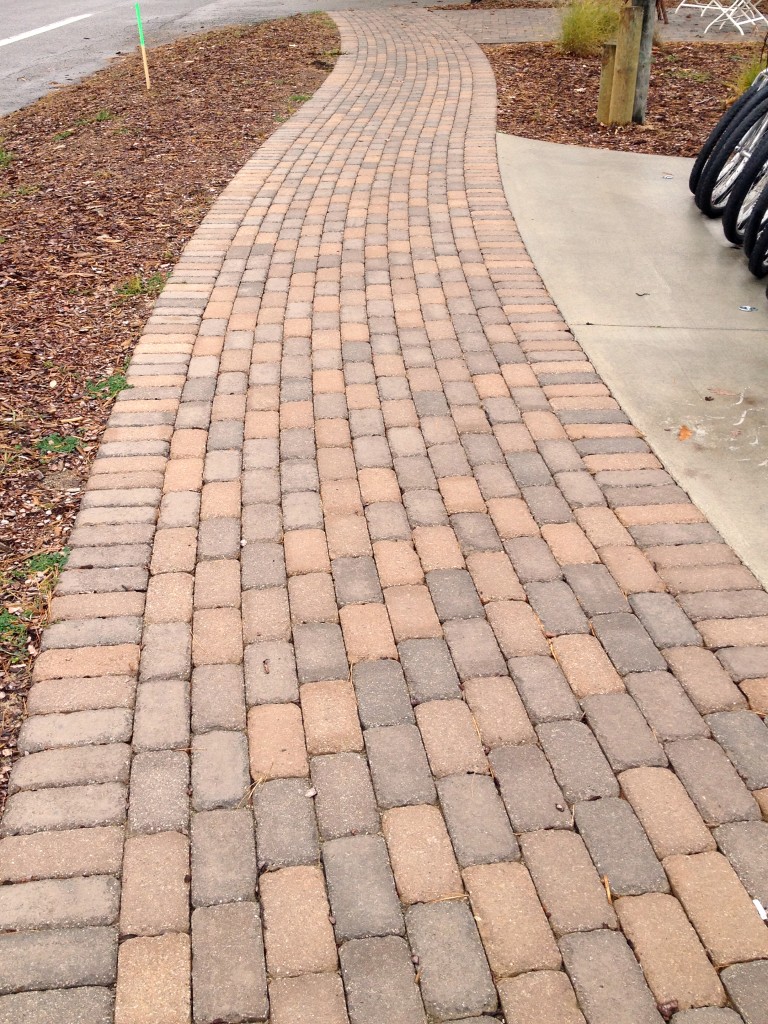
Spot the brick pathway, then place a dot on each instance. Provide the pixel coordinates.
(386, 648)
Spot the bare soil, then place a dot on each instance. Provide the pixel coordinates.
(101, 185)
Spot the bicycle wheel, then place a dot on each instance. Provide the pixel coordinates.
(728, 159)
(726, 122)
(757, 218)
(746, 190)
(758, 259)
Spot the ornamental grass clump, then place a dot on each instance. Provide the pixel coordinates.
(587, 24)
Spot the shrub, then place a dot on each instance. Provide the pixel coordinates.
(587, 24)
(747, 73)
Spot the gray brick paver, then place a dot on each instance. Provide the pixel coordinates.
(374, 455)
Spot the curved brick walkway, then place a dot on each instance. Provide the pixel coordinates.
(386, 646)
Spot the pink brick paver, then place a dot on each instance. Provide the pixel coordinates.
(445, 700)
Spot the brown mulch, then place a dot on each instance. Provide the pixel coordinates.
(104, 186)
(549, 95)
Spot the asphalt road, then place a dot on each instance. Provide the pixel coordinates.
(31, 66)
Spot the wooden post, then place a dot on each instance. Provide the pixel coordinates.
(625, 72)
(644, 65)
(606, 83)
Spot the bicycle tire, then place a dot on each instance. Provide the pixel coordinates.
(758, 258)
(748, 186)
(728, 159)
(754, 225)
(726, 122)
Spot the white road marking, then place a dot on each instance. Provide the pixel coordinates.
(45, 28)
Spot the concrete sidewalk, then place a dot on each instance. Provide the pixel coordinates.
(654, 298)
(391, 677)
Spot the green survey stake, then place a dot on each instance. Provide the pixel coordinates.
(143, 47)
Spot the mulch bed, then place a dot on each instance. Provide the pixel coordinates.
(101, 185)
(546, 94)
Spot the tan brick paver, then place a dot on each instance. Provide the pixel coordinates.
(376, 576)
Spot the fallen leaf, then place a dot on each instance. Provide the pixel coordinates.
(684, 433)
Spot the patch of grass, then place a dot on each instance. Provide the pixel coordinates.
(108, 387)
(299, 97)
(27, 190)
(690, 75)
(137, 285)
(60, 136)
(587, 24)
(47, 561)
(5, 158)
(13, 636)
(747, 73)
(57, 444)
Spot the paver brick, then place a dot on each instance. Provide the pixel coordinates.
(159, 792)
(154, 980)
(71, 766)
(719, 908)
(57, 958)
(220, 767)
(422, 858)
(665, 706)
(540, 997)
(218, 698)
(622, 732)
(586, 666)
(745, 844)
(345, 803)
(228, 971)
(270, 672)
(450, 738)
(379, 978)
(744, 738)
(476, 820)
(223, 857)
(498, 712)
(665, 621)
(531, 796)
(59, 903)
(286, 830)
(454, 973)
(510, 919)
(747, 986)
(608, 980)
(361, 888)
(673, 960)
(627, 643)
(399, 767)
(155, 893)
(329, 710)
(532, 560)
(557, 609)
(543, 689)
(311, 999)
(711, 781)
(429, 670)
(580, 767)
(63, 1006)
(619, 847)
(64, 808)
(297, 930)
(666, 812)
(92, 851)
(704, 680)
(517, 629)
(568, 885)
(382, 694)
(276, 742)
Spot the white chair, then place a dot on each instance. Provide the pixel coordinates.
(741, 14)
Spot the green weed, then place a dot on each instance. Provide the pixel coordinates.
(137, 285)
(747, 73)
(57, 444)
(108, 387)
(5, 158)
(60, 136)
(13, 636)
(587, 24)
(300, 97)
(47, 561)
